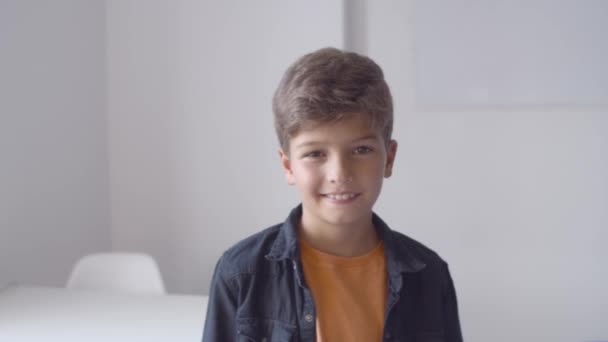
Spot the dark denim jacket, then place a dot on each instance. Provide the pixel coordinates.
(258, 291)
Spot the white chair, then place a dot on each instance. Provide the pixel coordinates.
(124, 272)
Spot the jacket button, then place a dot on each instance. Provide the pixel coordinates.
(308, 317)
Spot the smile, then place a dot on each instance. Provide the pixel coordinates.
(341, 196)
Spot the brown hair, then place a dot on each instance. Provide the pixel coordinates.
(326, 86)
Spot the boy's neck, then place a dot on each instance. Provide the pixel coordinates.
(346, 241)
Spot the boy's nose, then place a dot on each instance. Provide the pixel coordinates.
(339, 172)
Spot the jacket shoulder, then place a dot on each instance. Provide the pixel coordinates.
(247, 255)
(418, 250)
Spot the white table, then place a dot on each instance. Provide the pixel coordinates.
(59, 314)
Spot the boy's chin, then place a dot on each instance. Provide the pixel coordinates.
(340, 215)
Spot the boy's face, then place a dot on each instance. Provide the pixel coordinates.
(338, 169)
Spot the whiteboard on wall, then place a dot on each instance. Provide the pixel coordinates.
(535, 52)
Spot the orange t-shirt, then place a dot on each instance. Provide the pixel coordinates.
(349, 293)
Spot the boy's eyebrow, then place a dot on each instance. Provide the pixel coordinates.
(367, 137)
(314, 142)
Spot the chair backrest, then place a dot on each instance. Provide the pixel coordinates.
(124, 272)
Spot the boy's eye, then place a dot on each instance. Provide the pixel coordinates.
(313, 154)
(363, 149)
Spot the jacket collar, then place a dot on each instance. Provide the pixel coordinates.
(285, 245)
(399, 258)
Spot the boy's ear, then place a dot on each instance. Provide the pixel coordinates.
(391, 152)
(286, 166)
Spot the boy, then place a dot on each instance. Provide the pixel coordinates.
(333, 271)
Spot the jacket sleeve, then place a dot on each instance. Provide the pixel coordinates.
(450, 310)
(221, 309)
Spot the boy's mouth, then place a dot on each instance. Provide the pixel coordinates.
(342, 196)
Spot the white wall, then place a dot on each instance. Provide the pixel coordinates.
(194, 164)
(53, 163)
(514, 198)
